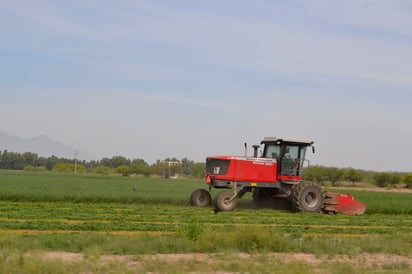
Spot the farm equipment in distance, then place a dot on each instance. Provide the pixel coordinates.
(273, 177)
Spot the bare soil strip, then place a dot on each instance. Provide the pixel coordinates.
(379, 260)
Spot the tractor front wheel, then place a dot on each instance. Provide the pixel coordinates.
(200, 197)
(307, 197)
(225, 201)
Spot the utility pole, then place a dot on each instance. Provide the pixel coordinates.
(76, 153)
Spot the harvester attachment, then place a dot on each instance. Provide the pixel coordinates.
(339, 203)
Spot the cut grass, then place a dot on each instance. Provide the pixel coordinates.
(149, 228)
(172, 218)
(120, 215)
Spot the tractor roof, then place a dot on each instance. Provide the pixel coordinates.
(286, 140)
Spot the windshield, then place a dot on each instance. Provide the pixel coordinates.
(291, 152)
(272, 151)
(293, 160)
(290, 157)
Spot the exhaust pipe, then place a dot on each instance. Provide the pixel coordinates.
(255, 150)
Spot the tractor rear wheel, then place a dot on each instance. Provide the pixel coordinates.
(306, 197)
(200, 197)
(225, 201)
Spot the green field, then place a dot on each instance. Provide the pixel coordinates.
(98, 215)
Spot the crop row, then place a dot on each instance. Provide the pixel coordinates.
(146, 215)
(172, 218)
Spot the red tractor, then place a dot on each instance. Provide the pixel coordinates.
(274, 176)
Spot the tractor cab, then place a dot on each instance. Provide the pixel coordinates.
(289, 154)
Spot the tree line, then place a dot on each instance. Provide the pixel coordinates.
(334, 176)
(169, 167)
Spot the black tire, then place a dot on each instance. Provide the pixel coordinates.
(200, 197)
(223, 201)
(306, 197)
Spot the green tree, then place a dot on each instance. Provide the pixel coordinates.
(141, 168)
(384, 179)
(317, 174)
(334, 175)
(187, 166)
(124, 170)
(352, 175)
(138, 161)
(11, 160)
(29, 158)
(407, 179)
(394, 179)
(157, 168)
(115, 161)
(198, 170)
(51, 162)
(103, 170)
(381, 179)
(42, 161)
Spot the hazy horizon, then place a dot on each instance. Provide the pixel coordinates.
(158, 79)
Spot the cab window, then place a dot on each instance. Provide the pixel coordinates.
(292, 152)
(272, 151)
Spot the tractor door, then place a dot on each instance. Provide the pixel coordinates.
(292, 159)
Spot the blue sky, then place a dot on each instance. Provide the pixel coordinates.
(157, 79)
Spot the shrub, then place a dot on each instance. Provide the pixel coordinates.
(103, 170)
(316, 174)
(29, 168)
(124, 170)
(141, 169)
(384, 179)
(407, 179)
(69, 167)
(352, 175)
(394, 179)
(37, 168)
(198, 170)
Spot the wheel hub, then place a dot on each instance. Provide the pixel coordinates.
(311, 199)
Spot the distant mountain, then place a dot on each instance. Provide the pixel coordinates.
(41, 145)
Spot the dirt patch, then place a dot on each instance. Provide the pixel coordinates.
(367, 260)
(62, 256)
